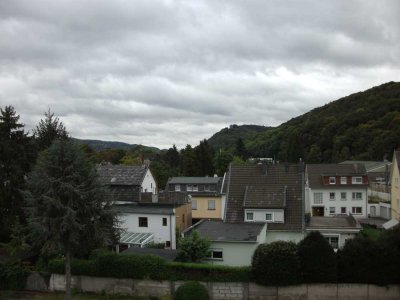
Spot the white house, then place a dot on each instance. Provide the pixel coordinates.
(232, 244)
(333, 189)
(145, 223)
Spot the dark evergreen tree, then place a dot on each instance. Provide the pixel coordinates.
(68, 208)
(222, 160)
(203, 154)
(172, 157)
(16, 156)
(48, 130)
(188, 162)
(241, 150)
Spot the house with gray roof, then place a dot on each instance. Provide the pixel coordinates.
(231, 244)
(334, 189)
(127, 183)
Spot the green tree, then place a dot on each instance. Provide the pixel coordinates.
(16, 156)
(172, 157)
(221, 161)
(188, 162)
(68, 209)
(204, 159)
(241, 150)
(48, 130)
(317, 259)
(193, 248)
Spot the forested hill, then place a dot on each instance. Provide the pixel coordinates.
(227, 138)
(363, 126)
(98, 145)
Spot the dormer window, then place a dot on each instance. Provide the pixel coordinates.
(343, 180)
(177, 187)
(356, 180)
(332, 180)
(249, 216)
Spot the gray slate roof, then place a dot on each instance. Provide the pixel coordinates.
(194, 180)
(121, 174)
(334, 222)
(146, 208)
(315, 172)
(219, 231)
(264, 197)
(370, 166)
(271, 178)
(164, 253)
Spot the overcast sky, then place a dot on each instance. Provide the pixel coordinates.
(164, 72)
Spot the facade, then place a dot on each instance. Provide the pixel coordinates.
(152, 223)
(204, 193)
(232, 244)
(127, 183)
(334, 189)
(337, 230)
(395, 186)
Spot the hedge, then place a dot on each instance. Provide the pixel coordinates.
(149, 267)
(12, 276)
(191, 290)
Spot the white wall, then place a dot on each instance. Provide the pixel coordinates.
(343, 236)
(259, 215)
(287, 236)
(130, 222)
(338, 203)
(149, 183)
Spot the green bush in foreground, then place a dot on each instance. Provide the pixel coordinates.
(191, 290)
(12, 276)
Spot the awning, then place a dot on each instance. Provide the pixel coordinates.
(136, 238)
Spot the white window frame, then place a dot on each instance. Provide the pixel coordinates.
(354, 208)
(211, 207)
(355, 194)
(211, 254)
(334, 196)
(328, 237)
(343, 180)
(252, 216)
(332, 180)
(356, 180)
(177, 187)
(195, 188)
(345, 210)
(272, 217)
(189, 188)
(194, 204)
(332, 208)
(320, 197)
(341, 196)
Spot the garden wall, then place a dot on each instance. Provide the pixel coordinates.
(229, 290)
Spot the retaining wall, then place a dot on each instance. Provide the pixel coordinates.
(229, 290)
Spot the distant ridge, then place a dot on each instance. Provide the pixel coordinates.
(99, 145)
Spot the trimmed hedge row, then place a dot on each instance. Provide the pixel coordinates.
(149, 267)
(12, 276)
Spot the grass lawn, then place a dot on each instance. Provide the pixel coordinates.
(371, 232)
(12, 295)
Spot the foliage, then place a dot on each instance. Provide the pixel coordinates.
(222, 159)
(191, 290)
(204, 154)
(193, 248)
(18, 240)
(48, 130)
(276, 263)
(12, 276)
(371, 232)
(16, 156)
(317, 259)
(241, 150)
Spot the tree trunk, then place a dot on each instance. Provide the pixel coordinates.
(68, 274)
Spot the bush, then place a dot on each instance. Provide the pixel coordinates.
(317, 259)
(276, 263)
(193, 248)
(13, 276)
(191, 290)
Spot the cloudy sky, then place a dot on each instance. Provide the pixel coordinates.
(164, 72)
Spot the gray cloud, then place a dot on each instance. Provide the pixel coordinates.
(164, 72)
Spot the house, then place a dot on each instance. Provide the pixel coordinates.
(145, 223)
(267, 193)
(232, 244)
(127, 183)
(395, 186)
(337, 230)
(205, 195)
(332, 189)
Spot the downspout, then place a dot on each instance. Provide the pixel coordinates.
(227, 191)
(302, 198)
(170, 231)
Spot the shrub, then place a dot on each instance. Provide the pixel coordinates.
(317, 259)
(276, 263)
(193, 248)
(191, 290)
(13, 276)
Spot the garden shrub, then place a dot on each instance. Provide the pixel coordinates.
(317, 259)
(13, 276)
(276, 263)
(191, 290)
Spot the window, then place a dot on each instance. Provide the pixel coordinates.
(357, 196)
(333, 241)
(213, 187)
(356, 180)
(332, 196)
(343, 196)
(343, 180)
(249, 216)
(194, 204)
(332, 180)
(164, 222)
(317, 198)
(268, 217)
(211, 204)
(215, 254)
(343, 210)
(207, 187)
(195, 188)
(168, 244)
(356, 210)
(177, 187)
(331, 210)
(189, 188)
(143, 222)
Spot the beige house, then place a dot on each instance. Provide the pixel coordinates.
(395, 185)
